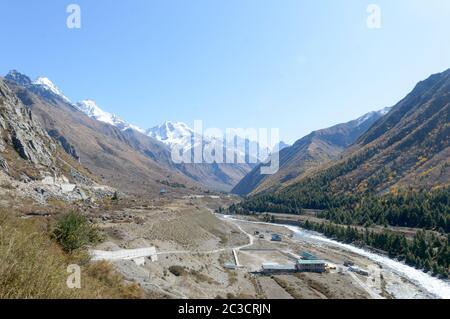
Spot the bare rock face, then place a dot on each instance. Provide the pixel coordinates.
(19, 78)
(18, 129)
(3, 164)
(22, 135)
(65, 144)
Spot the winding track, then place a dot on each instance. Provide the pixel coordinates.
(214, 251)
(435, 287)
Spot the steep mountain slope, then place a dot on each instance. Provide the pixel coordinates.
(407, 148)
(91, 109)
(111, 147)
(124, 159)
(308, 153)
(221, 177)
(42, 86)
(20, 131)
(31, 163)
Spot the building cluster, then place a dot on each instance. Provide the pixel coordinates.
(308, 263)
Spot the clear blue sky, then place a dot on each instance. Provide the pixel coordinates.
(292, 64)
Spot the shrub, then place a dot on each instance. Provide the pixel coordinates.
(73, 231)
(177, 270)
(33, 266)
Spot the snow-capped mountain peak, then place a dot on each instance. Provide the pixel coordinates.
(91, 109)
(370, 115)
(48, 85)
(181, 135)
(385, 111)
(172, 133)
(177, 128)
(43, 86)
(19, 78)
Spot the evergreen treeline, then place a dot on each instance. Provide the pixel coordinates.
(266, 204)
(416, 209)
(426, 250)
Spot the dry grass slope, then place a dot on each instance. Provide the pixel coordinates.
(32, 266)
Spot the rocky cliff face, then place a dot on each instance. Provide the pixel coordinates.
(19, 130)
(32, 164)
(68, 148)
(125, 159)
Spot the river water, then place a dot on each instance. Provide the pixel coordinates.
(433, 286)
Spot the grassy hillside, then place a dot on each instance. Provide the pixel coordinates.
(32, 265)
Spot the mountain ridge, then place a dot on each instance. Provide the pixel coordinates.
(57, 112)
(33, 163)
(127, 160)
(407, 150)
(308, 153)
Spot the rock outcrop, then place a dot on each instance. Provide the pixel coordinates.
(4, 164)
(65, 144)
(125, 159)
(30, 161)
(18, 129)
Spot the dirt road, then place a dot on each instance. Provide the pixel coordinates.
(195, 248)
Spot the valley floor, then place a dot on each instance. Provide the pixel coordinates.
(194, 245)
(386, 277)
(196, 251)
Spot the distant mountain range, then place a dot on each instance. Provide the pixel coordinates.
(155, 144)
(406, 148)
(394, 147)
(32, 163)
(173, 133)
(91, 109)
(180, 134)
(125, 159)
(169, 133)
(308, 153)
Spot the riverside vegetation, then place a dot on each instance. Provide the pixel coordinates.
(429, 249)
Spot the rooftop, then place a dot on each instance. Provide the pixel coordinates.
(278, 267)
(310, 262)
(308, 256)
